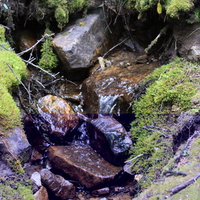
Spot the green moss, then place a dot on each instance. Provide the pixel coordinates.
(171, 91)
(48, 59)
(171, 7)
(21, 192)
(12, 69)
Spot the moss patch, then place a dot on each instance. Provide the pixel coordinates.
(189, 164)
(12, 69)
(172, 90)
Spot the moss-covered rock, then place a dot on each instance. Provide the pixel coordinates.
(173, 88)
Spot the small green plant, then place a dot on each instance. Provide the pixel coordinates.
(48, 60)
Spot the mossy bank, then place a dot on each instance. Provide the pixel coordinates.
(172, 90)
(12, 70)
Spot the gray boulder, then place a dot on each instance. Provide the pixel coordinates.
(79, 45)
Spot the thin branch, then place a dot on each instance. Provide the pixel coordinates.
(29, 94)
(182, 186)
(27, 50)
(170, 173)
(115, 47)
(26, 61)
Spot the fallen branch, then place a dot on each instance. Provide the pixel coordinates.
(182, 186)
(170, 173)
(163, 31)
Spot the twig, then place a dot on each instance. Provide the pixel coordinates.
(196, 133)
(115, 47)
(29, 94)
(174, 173)
(182, 186)
(26, 61)
(27, 50)
(134, 158)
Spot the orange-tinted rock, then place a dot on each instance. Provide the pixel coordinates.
(83, 164)
(41, 194)
(58, 115)
(26, 40)
(113, 90)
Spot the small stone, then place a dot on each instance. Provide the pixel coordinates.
(100, 192)
(36, 178)
(41, 194)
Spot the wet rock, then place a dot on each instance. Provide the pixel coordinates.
(35, 156)
(41, 194)
(26, 40)
(100, 192)
(58, 116)
(83, 164)
(13, 143)
(5, 170)
(36, 178)
(187, 38)
(113, 90)
(109, 138)
(79, 45)
(58, 185)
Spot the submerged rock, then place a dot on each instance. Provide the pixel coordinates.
(79, 45)
(109, 138)
(58, 185)
(83, 164)
(58, 116)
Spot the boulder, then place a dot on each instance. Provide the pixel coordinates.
(187, 38)
(58, 185)
(113, 90)
(79, 45)
(57, 115)
(109, 138)
(14, 145)
(83, 164)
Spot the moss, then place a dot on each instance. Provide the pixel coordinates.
(62, 16)
(48, 59)
(22, 191)
(12, 69)
(172, 86)
(171, 7)
(189, 164)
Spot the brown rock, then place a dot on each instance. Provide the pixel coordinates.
(83, 164)
(113, 89)
(58, 185)
(41, 194)
(58, 115)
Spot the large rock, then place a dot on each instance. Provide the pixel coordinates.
(109, 138)
(58, 116)
(14, 145)
(58, 185)
(114, 89)
(79, 44)
(187, 38)
(83, 164)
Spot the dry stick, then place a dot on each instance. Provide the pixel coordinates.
(182, 186)
(29, 94)
(27, 50)
(115, 47)
(26, 61)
